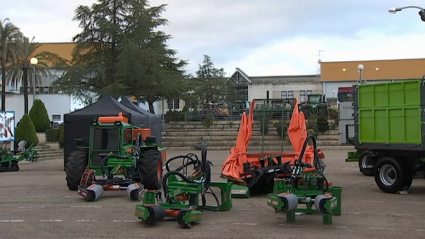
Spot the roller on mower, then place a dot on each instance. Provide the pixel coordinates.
(185, 195)
(117, 155)
(307, 185)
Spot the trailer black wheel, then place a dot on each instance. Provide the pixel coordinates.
(408, 175)
(150, 168)
(75, 167)
(366, 165)
(389, 175)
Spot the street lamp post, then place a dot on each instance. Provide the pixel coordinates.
(398, 9)
(33, 62)
(25, 81)
(360, 68)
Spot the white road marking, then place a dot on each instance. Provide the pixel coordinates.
(245, 223)
(17, 220)
(395, 214)
(244, 209)
(36, 196)
(382, 228)
(416, 202)
(86, 206)
(420, 230)
(290, 225)
(336, 226)
(29, 207)
(123, 221)
(372, 201)
(86, 220)
(72, 196)
(354, 213)
(50, 220)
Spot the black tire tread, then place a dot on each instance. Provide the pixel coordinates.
(367, 171)
(147, 166)
(75, 168)
(398, 185)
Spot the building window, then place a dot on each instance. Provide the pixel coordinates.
(56, 118)
(309, 92)
(173, 104)
(290, 94)
(302, 95)
(170, 104)
(176, 103)
(284, 94)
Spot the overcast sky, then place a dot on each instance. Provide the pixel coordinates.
(268, 37)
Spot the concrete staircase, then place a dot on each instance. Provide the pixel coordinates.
(49, 151)
(221, 135)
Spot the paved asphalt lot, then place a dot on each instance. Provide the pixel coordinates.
(35, 203)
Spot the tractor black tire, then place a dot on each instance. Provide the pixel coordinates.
(323, 110)
(389, 175)
(75, 167)
(150, 168)
(306, 112)
(363, 161)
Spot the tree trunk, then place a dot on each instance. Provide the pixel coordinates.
(150, 103)
(3, 85)
(25, 81)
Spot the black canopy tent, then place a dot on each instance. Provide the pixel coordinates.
(154, 121)
(77, 123)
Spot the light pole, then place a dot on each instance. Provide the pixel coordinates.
(33, 62)
(360, 68)
(398, 9)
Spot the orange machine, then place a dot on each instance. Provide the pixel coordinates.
(233, 167)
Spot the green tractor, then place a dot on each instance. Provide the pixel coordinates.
(315, 105)
(114, 159)
(9, 161)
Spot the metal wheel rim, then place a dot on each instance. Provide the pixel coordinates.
(383, 175)
(364, 162)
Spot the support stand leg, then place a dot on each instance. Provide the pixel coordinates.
(327, 219)
(290, 216)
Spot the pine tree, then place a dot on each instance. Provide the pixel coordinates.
(39, 116)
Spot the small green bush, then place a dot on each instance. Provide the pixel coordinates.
(209, 120)
(264, 126)
(322, 123)
(281, 131)
(26, 131)
(52, 135)
(39, 116)
(60, 137)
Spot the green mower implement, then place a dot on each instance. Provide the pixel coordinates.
(9, 161)
(307, 185)
(185, 196)
(115, 159)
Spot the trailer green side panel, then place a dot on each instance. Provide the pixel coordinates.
(390, 125)
(391, 94)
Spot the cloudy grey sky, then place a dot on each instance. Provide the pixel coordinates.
(268, 37)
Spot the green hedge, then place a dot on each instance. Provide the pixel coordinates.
(39, 116)
(52, 135)
(60, 135)
(26, 131)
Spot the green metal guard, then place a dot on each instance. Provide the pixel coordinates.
(182, 197)
(307, 185)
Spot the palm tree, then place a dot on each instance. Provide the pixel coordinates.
(8, 35)
(20, 69)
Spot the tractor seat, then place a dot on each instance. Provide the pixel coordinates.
(21, 147)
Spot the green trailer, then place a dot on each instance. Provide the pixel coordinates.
(389, 132)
